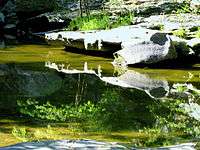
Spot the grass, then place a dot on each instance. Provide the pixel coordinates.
(99, 21)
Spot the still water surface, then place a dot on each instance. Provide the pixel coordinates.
(38, 103)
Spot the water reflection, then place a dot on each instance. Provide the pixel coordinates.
(98, 102)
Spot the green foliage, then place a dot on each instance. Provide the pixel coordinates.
(90, 22)
(123, 20)
(185, 8)
(182, 33)
(99, 21)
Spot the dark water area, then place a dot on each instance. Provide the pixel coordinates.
(143, 111)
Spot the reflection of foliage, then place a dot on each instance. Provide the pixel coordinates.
(172, 118)
(25, 135)
(50, 112)
(111, 112)
(20, 133)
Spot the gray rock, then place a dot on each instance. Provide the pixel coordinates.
(172, 21)
(87, 145)
(156, 48)
(195, 45)
(101, 40)
(184, 146)
(66, 145)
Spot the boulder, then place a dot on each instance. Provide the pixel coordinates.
(130, 44)
(155, 48)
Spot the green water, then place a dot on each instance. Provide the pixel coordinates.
(38, 103)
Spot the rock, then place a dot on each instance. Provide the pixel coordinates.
(195, 45)
(144, 7)
(130, 44)
(101, 40)
(46, 22)
(104, 40)
(153, 49)
(184, 146)
(195, 4)
(172, 22)
(66, 144)
(9, 11)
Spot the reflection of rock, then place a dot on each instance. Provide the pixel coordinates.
(2, 43)
(131, 79)
(2, 18)
(28, 83)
